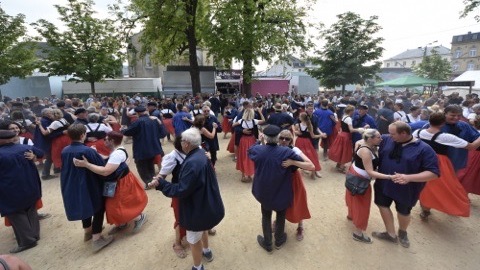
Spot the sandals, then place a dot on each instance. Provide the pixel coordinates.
(179, 251)
(362, 238)
(247, 179)
(212, 232)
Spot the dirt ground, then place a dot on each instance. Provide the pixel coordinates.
(444, 242)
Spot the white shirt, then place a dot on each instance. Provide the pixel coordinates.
(444, 138)
(103, 127)
(248, 124)
(117, 156)
(347, 120)
(57, 124)
(399, 115)
(409, 118)
(169, 161)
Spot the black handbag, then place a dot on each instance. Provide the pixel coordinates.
(356, 184)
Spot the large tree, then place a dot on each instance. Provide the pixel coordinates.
(247, 30)
(89, 48)
(170, 30)
(17, 50)
(350, 53)
(434, 67)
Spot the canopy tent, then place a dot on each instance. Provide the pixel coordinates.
(408, 81)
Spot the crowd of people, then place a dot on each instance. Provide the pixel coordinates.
(415, 148)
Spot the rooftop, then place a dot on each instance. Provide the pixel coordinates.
(418, 52)
(469, 37)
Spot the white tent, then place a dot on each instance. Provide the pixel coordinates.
(471, 75)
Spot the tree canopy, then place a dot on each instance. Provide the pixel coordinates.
(17, 50)
(170, 30)
(470, 6)
(246, 30)
(89, 48)
(350, 53)
(433, 67)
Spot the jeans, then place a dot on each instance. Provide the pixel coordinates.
(279, 226)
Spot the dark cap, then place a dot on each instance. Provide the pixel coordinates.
(271, 130)
(7, 134)
(79, 111)
(363, 107)
(60, 104)
(140, 109)
(152, 104)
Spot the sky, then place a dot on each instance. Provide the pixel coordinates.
(406, 24)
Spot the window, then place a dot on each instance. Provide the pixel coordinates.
(148, 61)
(396, 64)
(459, 38)
(388, 65)
(414, 62)
(458, 53)
(473, 52)
(474, 36)
(455, 67)
(470, 66)
(404, 63)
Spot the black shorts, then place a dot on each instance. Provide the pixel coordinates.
(385, 201)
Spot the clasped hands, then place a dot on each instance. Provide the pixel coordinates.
(400, 178)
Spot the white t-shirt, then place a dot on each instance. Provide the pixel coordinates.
(58, 124)
(169, 161)
(444, 138)
(117, 156)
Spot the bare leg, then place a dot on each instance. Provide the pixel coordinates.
(387, 217)
(197, 253)
(403, 221)
(205, 239)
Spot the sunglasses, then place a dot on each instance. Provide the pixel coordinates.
(285, 139)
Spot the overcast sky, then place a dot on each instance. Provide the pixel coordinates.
(407, 24)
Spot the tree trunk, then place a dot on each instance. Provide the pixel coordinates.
(343, 90)
(92, 87)
(247, 74)
(191, 9)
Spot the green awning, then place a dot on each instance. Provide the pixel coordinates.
(408, 81)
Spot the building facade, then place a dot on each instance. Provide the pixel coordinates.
(465, 53)
(411, 57)
(144, 67)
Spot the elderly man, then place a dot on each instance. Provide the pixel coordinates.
(201, 206)
(19, 189)
(272, 185)
(81, 115)
(146, 133)
(412, 162)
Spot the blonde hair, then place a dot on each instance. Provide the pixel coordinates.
(57, 114)
(304, 118)
(248, 114)
(369, 133)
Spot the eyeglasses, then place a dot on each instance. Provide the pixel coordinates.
(285, 139)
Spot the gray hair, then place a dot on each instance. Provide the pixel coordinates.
(269, 139)
(46, 111)
(207, 103)
(93, 117)
(91, 109)
(192, 135)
